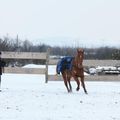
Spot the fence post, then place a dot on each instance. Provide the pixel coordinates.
(47, 62)
(0, 71)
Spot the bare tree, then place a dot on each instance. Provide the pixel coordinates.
(27, 46)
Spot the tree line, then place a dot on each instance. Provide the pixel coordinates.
(10, 44)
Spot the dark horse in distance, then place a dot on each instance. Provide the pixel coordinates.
(72, 67)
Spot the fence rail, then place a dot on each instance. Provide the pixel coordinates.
(24, 55)
(20, 70)
(94, 63)
(106, 78)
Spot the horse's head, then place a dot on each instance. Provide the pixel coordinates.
(80, 52)
(79, 57)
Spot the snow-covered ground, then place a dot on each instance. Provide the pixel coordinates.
(28, 97)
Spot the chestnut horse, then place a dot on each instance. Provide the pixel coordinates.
(76, 71)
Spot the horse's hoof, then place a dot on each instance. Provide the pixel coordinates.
(70, 91)
(77, 89)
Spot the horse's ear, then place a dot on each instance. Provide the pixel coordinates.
(80, 50)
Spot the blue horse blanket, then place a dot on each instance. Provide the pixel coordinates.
(64, 63)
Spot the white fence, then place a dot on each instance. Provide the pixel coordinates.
(27, 56)
(45, 56)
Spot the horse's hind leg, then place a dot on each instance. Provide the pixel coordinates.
(65, 81)
(70, 85)
(83, 85)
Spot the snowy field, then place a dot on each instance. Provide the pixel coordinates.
(28, 97)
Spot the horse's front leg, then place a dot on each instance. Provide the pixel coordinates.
(78, 82)
(83, 84)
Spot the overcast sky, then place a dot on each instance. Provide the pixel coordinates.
(62, 22)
